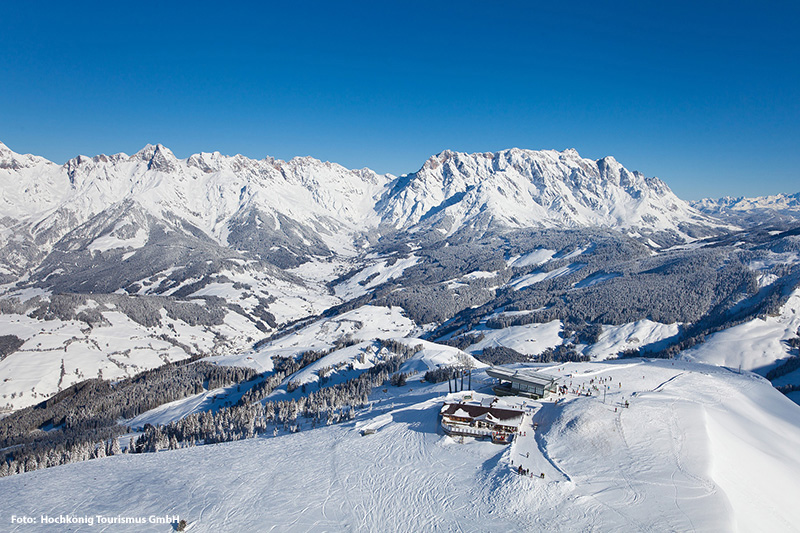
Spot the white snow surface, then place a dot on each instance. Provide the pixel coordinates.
(531, 339)
(537, 277)
(372, 276)
(754, 345)
(111, 241)
(434, 355)
(511, 188)
(117, 350)
(596, 278)
(631, 336)
(166, 413)
(364, 324)
(700, 448)
(534, 258)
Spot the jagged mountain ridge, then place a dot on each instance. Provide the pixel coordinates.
(777, 201)
(307, 206)
(522, 188)
(209, 191)
(259, 246)
(776, 209)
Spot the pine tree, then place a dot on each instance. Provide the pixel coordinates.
(115, 448)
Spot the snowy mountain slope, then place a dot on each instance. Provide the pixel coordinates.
(305, 205)
(778, 209)
(755, 345)
(536, 277)
(57, 353)
(616, 339)
(361, 356)
(362, 324)
(531, 339)
(38, 191)
(523, 188)
(699, 449)
(372, 276)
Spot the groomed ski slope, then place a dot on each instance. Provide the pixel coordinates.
(700, 448)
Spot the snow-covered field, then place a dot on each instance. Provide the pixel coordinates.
(118, 349)
(700, 448)
(348, 363)
(537, 277)
(364, 324)
(290, 300)
(372, 276)
(754, 345)
(616, 339)
(536, 257)
(531, 339)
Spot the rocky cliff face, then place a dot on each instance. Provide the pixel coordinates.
(285, 211)
(541, 189)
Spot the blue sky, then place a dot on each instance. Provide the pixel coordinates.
(705, 95)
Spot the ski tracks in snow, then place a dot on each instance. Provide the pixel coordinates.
(401, 485)
(544, 419)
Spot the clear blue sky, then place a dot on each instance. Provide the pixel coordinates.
(705, 95)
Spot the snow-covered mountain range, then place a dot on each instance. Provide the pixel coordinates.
(740, 203)
(285, 210)
(166, 303)
(247, 246)
(761, 210)
(523, 189)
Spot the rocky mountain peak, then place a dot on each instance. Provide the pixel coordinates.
(519, 188)
(158, 157)
(236, 199)
(10, 160)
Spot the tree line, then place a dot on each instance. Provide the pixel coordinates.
(67, 427)
(80, 423)
(325, 406)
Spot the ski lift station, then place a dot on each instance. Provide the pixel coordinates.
(527, 383)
